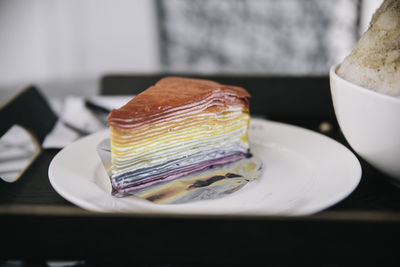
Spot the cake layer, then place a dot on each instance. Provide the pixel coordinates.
(182, 169)
(183, 149)
(176, 96)
(152, 141)
(205, 155)
(177, 123)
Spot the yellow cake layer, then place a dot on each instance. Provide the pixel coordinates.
(236, 140)
(188, 132)
(123, 136)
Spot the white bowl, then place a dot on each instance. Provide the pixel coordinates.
(370, 122)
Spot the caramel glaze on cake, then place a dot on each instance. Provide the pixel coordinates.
(170, 93)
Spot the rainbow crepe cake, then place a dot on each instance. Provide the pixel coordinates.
(178, 136)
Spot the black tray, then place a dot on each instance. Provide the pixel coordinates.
(37, 223)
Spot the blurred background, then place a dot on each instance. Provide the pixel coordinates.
(65, 46)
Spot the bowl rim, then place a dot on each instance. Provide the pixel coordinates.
(332, 73)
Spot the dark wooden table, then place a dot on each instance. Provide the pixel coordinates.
(363, 229)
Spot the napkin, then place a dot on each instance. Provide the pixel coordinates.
(80, 116)
(16, 152)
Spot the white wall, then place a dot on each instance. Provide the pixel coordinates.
(66, 45)
(74, 42)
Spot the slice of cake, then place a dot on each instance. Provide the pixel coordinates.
(174, 129)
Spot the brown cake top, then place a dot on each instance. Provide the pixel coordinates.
(172, 92)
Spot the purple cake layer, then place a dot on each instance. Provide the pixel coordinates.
(177, 173)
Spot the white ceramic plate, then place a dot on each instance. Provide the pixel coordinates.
(303, 172)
